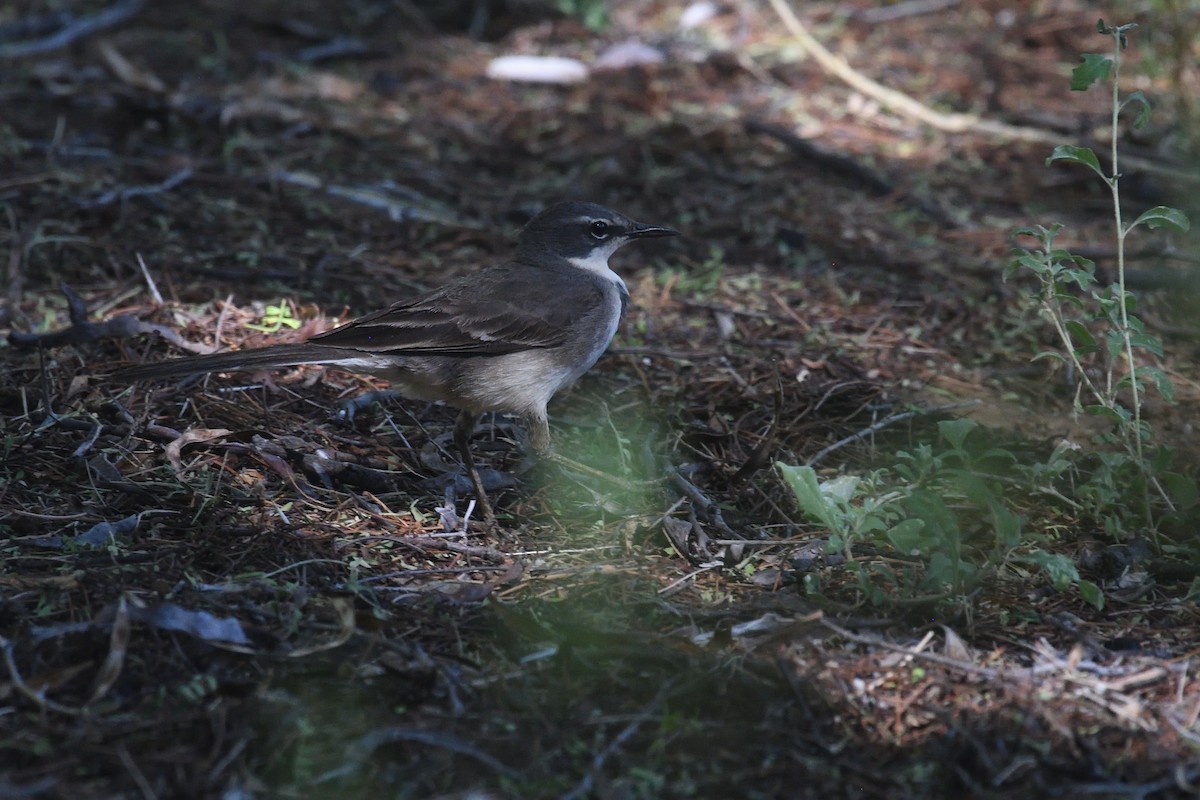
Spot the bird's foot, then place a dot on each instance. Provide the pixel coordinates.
(349, 408)
(459, 484)
(452, 522)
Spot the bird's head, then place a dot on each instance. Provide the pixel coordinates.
(584, 233)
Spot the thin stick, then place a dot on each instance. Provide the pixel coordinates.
(883, 423)
(151, 286)
(586, 784)
(948, 123)
(80, 28)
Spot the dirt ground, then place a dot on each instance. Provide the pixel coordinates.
(219, 589)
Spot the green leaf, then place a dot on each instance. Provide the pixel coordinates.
(1008, 526)
(955, 431)
(1061, 569)
(1161, 382)
(1082, 274)
(1080, 277)
(802, 481)
(1081, 337)
(1146, 341)
(1051, 354)
(998, 455)
(1164, 216)
(1030, 261)
(1038, 232)
(910, 538)
(1144, 108)
(1092, 594)
(1095, 67)
(1114, 342)
(1117, 414)
(1076, 155)
(842, 487)
(941, 569)
(1184, 492)
(939, 520)
(870, 523)
(1068, 298)
(1193, 592)
(973, 487)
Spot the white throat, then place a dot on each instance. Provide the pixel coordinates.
(597, 264)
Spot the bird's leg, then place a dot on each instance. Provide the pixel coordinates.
(538, 429)
(464, 426)
(539, 440)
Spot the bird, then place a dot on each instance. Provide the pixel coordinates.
(506, 338)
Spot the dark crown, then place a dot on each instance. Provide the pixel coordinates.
(576, 230)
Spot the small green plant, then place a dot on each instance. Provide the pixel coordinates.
(1101, 340)
(276, 317)
(943, 517)
(198, 687)
(703, 279)
(592, 13)
(941, 510)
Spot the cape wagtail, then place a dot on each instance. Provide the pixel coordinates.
(504, 339)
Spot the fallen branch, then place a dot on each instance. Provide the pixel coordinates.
(847, 168)
(73, 31)
(82, 330)
(126, 194)
(761, 457)
(945, 661)
(358, 751)
(883, 423)
(901, 103)
(911, 8)
(423, 543)
(834, 163)
(399, 202)
(587, 784)
(710, 509)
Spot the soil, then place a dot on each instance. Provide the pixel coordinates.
(220, 588)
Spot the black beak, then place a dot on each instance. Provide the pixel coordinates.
(640, 231)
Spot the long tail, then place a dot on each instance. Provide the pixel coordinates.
(273, 357)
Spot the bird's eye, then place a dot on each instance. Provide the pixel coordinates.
(599, 229)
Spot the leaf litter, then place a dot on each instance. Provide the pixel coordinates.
(245, 595)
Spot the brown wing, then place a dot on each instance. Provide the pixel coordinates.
(502, 310)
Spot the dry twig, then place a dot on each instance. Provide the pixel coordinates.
(948, 123)
(74, 30)
(81, 330)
